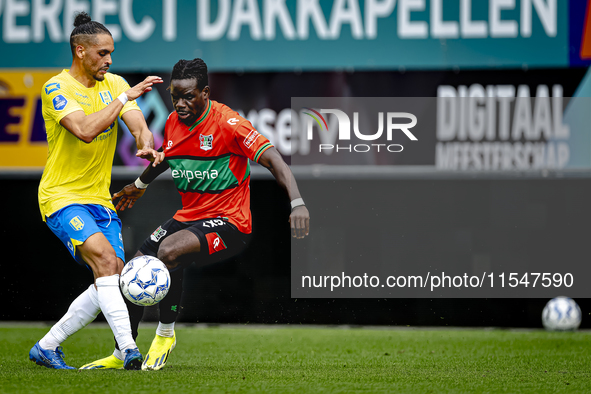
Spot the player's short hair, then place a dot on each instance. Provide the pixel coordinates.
(84, 29)
(191, 69)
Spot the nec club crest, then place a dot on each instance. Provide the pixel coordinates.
(206, 141)
(159, 233)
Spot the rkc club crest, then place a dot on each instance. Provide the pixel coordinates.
(206, 141)
(106, 97)
(77, 223)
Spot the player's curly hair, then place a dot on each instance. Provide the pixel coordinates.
(191, 69)
(84, 29)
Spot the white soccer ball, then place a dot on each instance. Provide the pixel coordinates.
(145, 280)
(561, 314)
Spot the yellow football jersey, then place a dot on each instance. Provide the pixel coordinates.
(77, 172)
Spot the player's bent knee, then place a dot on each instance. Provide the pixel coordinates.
(107, 264)
(168, 255)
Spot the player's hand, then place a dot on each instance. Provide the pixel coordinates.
(142, 87)
(150, 154)
(129, 195)
(299, 221)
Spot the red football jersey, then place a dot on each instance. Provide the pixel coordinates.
(210, 165)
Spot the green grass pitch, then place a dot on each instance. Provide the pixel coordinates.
(313, 360)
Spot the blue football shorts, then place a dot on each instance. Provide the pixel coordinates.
(74, 223)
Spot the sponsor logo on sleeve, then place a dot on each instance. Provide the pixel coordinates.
(59, 102)
(233, 121)
(251, 138)
(52, 87)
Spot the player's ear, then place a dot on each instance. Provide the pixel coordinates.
(80, 52)
(205, 92)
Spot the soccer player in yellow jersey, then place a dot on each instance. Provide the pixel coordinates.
(80, 109)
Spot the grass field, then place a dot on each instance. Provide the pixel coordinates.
(313, 360)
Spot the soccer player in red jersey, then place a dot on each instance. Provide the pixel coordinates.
(207, 146)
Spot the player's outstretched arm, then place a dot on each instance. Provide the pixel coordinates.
(299, 219)
(144, 138)
(87, 127)
(130, 193)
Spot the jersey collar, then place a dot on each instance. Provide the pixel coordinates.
(66, 72)
(202, 117)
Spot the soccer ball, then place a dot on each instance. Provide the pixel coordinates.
(144, 280)
(561, 314)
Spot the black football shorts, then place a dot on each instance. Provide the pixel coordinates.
(219, 239)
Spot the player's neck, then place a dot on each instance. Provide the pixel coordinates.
(78, 73)
(191, 122)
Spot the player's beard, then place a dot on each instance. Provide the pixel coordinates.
(99, 77)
